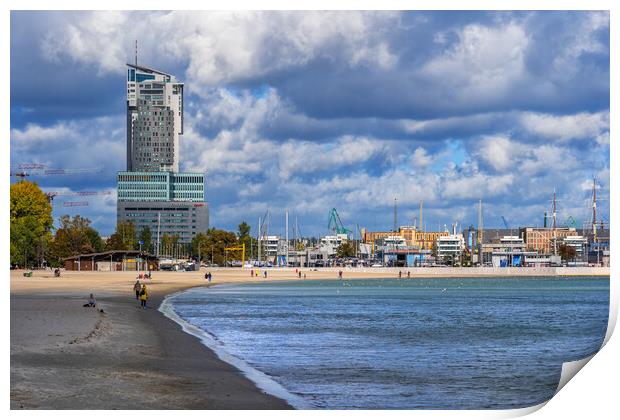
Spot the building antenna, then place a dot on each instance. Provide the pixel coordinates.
(136, 56)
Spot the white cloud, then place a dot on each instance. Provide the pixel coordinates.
(497, 151)
(225, 46)
(486, 60)
(567, 127)
(421, 159)
(92, 143)
(298, 157)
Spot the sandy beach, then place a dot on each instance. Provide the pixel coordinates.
(65, 356)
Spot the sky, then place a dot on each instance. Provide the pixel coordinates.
(309, 111)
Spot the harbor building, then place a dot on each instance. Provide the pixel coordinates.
(152, 192)
(450, 248)
(508, 251)
(413, 237)
(541, 239)
(580, 245)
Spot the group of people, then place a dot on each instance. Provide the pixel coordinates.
(208, 276)
(400, 274)
(254, 273)
(142, 294)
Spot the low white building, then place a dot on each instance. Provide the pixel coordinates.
(329, 243)
(393, 242)
(269, 246)
(450, 247)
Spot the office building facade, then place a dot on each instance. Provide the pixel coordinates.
(152, 192)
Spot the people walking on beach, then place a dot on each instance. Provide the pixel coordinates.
(299, 272)
(400, 274)
(408, 274)
(136, 288)
(144, 295)
(251, 273)
(304, 276)
(91, 302)
(265, 274)
(340, 274)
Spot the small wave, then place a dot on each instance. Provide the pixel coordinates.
(262, 380)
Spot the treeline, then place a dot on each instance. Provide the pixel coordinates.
(35, 241)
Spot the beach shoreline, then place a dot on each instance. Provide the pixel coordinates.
(63, 354)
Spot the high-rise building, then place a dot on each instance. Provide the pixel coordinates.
(152, 192)
(154, 120)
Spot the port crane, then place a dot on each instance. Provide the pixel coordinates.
(335, 224)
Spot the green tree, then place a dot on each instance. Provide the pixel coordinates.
(198, 246)
(30, 223)
(246, 238)
(345, 249)
(210, 245)
(145, 237)
(75, 236)
(124, 238)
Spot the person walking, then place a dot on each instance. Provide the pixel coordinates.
(144, 295)
(209, 277)
(299, 273)
(136, 288)
(265, 274)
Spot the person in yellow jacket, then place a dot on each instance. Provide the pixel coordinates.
(144, 295)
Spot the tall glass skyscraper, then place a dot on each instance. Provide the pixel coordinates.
(152, 192)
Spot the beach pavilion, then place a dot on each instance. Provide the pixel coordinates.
(115, 260)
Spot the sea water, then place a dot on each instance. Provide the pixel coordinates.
(457, 343)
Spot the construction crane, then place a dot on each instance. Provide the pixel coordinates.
(335, 224)
(75, 203)
(506, 225)
(36, 169)
(52, 194)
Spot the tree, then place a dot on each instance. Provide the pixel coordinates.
(345, 249)
(165, 244)
(210, 245)
(198, 246)
(244, 230)
(30, 222)
(567, 252)
(124, 238)
(145, 237)
(246, 238)
(75, 236)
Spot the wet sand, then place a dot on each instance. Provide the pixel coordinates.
(65, 356)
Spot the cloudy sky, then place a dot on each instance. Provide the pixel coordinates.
(314, 110)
